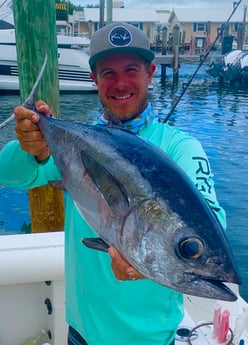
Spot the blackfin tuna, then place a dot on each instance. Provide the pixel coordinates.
(139, 201)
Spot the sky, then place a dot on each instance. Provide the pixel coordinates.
(166, 4)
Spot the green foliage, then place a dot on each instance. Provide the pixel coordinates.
(73, 7)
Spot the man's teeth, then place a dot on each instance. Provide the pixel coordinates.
(122, 97)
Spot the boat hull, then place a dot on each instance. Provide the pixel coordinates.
(74, 70)
(32, 287)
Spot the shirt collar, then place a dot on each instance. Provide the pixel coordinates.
(144, 120)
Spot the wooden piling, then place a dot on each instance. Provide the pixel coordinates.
(109, 11)
(241, 31)
(176, 42)
(164, 52)
(101, 15)
(176, 65)
(35, 26)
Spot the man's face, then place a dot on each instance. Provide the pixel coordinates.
(122, 81)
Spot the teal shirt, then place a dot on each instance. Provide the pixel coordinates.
(102, 309)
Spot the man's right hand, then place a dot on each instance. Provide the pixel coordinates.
(28, 132)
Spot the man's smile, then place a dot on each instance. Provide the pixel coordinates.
(122, 97)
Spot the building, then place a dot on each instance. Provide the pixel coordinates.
(198, 27)
(150, 21)
(201, 25)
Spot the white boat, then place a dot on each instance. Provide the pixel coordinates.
(32, 296)
(244, 66)
(74, 71)
(232, 66)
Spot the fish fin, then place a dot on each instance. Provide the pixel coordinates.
(95, 243)
(58, 184)
(111, 189)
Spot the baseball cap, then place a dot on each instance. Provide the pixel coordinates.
(119, 38)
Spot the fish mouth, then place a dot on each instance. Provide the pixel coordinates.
(210, 287)
(215, 289)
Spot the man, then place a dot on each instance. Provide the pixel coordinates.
(107, 301)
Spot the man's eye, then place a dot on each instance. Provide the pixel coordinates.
(132, 69)
(106, 73)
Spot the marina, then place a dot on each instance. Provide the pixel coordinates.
(216, 115)
(183, 59)
(32, 264)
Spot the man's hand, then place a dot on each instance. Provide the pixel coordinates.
(28, 132)
(121, 268)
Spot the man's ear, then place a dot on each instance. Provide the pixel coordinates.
(93, 77)
(152, 69)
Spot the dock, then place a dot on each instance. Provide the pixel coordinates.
(175, 60)
(168, 60)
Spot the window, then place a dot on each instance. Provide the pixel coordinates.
(238, 26)
(200, 27)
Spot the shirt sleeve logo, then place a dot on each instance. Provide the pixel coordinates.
(120, 37)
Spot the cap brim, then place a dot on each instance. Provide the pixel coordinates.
(146, 54)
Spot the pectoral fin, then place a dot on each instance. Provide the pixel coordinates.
(111, 189)
(95, 243)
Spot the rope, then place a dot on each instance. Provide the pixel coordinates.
(207, 324)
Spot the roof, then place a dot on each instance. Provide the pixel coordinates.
(129, 15)
(217, 15)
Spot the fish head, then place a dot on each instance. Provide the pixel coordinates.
(176, 255)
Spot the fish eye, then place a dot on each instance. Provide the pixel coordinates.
(191, 248)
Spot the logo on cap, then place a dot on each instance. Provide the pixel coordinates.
(120, 37)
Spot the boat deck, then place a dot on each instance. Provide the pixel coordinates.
(32, 281)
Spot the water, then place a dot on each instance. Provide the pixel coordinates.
(216, 114)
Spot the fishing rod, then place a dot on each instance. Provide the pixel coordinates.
(187, 84)
(30, 99)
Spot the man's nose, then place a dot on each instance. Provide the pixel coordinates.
(121, 81)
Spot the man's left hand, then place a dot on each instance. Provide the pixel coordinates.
(121, 268)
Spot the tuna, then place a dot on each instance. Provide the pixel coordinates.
(141, 202)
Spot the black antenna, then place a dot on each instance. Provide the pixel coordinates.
(186, 85)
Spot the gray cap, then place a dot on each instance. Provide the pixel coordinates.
(119, 38)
